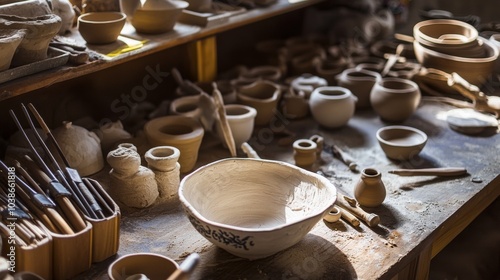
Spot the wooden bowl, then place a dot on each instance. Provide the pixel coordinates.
(401, 142)
(153, 266)
(101, 27)
(155, 21)
(254, 208)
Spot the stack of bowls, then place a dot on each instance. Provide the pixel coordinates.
(454, 46)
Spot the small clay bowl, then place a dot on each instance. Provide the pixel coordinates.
(401, 142)
(101, 27)
(156, 21)
(153, 266)
(444, 32)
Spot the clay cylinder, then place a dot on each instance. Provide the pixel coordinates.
(162, 160)
(370, 190)
(304, 153)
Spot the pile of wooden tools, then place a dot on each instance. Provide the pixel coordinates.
(45, 196)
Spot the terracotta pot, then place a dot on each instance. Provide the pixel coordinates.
(9, 41)
(395, 99)
(39, 32)
(332, 107)
(181, 132)
(188, 106)
(370, 191)
(304, 153)
(163, 161)
(360, 83)
(155, 16)
(241, 119)
(101, 27)
(263, 96)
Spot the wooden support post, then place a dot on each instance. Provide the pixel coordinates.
(203, 56)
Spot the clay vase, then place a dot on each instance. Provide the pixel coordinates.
(9, 41)
(263, 96)
(395, 99)
(130, 183)
(163, 161)
(370, 191)
(307, 83)
(332, 107)
(241, 119)
(181, 132)
(360, 83)
(39, 32)
(304, 153)
(81, 147)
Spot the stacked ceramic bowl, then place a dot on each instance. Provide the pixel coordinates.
(454, 46)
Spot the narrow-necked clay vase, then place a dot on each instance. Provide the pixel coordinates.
(395, 99)
(9, 41)
(304, 153)
(332, 107)
(181, 132)
(263, 96)
(370, 191)
(39, 32)
(360, 83)
(163, 161)
(241, 119)
(130, 183)
(81, 147)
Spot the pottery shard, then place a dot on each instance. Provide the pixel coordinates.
(39, 32)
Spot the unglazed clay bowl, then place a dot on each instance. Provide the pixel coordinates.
(153, 266)
(401, 142)
(444, 32)
(101, 27)
(158, 20)
(474, 70)
(254, 208)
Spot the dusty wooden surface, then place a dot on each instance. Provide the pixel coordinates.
(417, 211)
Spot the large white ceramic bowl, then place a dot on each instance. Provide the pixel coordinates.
(254, 208)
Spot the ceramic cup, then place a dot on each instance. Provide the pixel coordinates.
(395, 99)
(241, 120)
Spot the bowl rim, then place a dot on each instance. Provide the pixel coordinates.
(440, 55)
(316, 213)
(413, 86)
(400, 127)
(110, 267)
(81, 18)
(417, 34)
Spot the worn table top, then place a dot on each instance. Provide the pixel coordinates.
(417, 210)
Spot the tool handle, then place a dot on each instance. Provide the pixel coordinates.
(440, 171)
(370, 218)
(350, 218)
(249, 151)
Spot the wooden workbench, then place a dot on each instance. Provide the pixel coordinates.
(419, 217)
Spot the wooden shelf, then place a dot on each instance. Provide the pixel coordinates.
(181, 34)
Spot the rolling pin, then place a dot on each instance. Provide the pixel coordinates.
(440, 171)
(351, 205)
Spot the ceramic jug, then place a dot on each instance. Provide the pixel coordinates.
(360, 83)
(163, 161)
(181, 132)
(263, 96)
(332, 107)
(130, 183)
(395, 99)
(370, 191)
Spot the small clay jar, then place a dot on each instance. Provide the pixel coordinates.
(304, 153)
(370, 191)
(332, 107)
(163, 161)
(130, 183)
(360, 82)
(395, 99)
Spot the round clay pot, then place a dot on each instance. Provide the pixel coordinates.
(156, 19)
(263, 96)
(9, 41)
(163, 161)
(304, 153)
(241, 119)
(395, 99)
(370, 191)
(332, 107)
(101, 27)
(39, 32)
(360, 83)
(188, 106)
(181, 132)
